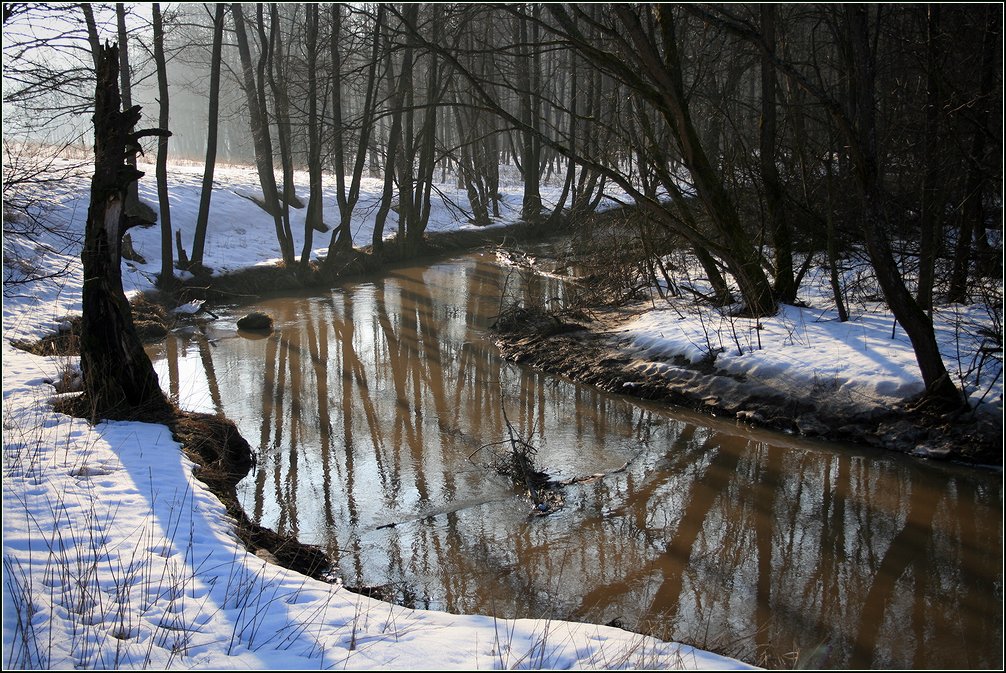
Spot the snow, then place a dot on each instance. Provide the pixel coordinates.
(852, 366)
(128, 561)
(115, 556)
(189, 308)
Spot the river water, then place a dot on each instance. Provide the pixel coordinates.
(376, 407)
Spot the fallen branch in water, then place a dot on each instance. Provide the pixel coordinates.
(592, 477)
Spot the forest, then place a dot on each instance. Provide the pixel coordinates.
(801, 203)
(756, 136)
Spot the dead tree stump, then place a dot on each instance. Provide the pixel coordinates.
(119, 378)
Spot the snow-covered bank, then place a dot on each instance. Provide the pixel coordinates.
(862, 363)
(801, 370)
(115, 556)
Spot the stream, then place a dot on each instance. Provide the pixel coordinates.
(375, 408)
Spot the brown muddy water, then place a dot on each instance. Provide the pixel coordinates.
(371, 404)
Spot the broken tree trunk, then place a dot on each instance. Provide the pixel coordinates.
(118, 375)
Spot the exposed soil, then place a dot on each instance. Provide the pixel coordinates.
(151, 319)
(253, 283)
(224, 458)
(589, 352)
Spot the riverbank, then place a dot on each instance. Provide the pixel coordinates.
(116, 556)
(253, 282)
(597, 354)
(800, 371)
(221, 455)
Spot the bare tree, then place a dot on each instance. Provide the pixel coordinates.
(343, 129)
(133, 204)
(275, 65)
(92, 32)
(529, 77)
(118, 375)
(395, 87)
(167, 276)
(785, 287)
(931, 219)
(971, 215)
(216, 58)
(315, 212)
(861, 132)
(255, 95)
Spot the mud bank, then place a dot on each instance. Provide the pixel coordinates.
(255, 282)
(592, 352)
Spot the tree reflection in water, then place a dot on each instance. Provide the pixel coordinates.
(367, 403)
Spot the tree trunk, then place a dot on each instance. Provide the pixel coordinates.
(782, 240)
(132, 198)
(832, 243)
(940, 389)
(167, 277)
(972, 216)
(369, 111)
(118, 375)
(391, 158)
(92, 33)
(931, 221)
(427, 157)
(202, 219)
(342, 237)
(126, 89)
(275, 60)
(467, 165)
(314, 205)
(260, 135)
(407, 152)
(989, 259)
(528, 77)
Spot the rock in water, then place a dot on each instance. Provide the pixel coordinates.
(255, 321)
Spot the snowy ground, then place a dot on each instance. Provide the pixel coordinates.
(847, 367)
(116, 557)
